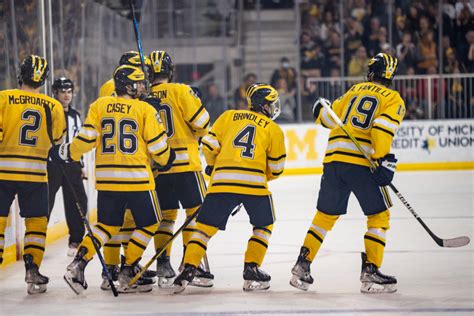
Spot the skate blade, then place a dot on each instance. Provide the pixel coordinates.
(33, 288)
(250, 286)
(180, 288)
(296, 282)
(202, 282)
(165, 283)
(372, 288)
(75, 287)
(135, 289)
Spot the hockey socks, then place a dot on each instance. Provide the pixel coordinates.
(3, 225)
(197, 246)
(374, 238)
(258, 244)
(35, 238)
(322, 223)
(112, 247)
(191, 228)
(102, 234)
(165, 230)
(138, 242)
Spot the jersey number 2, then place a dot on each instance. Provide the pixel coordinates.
(245, 140)
(34, 121)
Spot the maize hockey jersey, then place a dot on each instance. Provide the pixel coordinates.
(186, 120)
(126, 133)
(24, 140)
(107, 89)
(247, 149)
(372, 113)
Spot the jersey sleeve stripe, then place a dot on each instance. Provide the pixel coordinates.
(324, 125)
(213, 134)
(205, 144)
(196, 114)
(85, 140)
(385, 123)
(277, 158)
(384, 130)
(277, 173)
(390, 118)
(162, 152)
(278, 166)
(156, 138)
(326, 119)
(211, 141)
(88, 126)
(207, 124)
(157, 146)
(203, 120)
(88, 133)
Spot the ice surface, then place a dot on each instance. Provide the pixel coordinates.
(432, 280)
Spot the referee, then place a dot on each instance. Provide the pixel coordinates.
(63, 90)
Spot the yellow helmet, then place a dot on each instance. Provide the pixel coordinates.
(259, 95)
(128, 76)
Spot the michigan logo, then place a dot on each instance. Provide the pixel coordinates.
(428, 144)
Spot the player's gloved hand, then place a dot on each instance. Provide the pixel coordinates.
(169, 163)
(209, 170)
(155, 102)
(318, 106)
(60, 153)
(385, 171)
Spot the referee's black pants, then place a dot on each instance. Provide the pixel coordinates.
(56, 179)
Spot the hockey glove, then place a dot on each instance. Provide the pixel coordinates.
(318, 106)
(60, 153)
(209, 170)
(169, 164)
(383, 175)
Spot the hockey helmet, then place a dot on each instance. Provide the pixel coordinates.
(162, 63)
(382, 67)
(259, 95)
(126, 80)
(34, 71)
(62, 83)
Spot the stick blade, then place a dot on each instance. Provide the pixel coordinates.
(456, 242)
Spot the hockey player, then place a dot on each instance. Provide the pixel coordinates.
(112, 248)
(126, 132)
(63, 90)
(24, 145)
(186, 121)
(243, 150)
(372, 112)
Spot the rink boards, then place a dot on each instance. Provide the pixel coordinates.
(418, 145)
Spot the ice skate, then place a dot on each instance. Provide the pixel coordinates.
(373, 281)
(165, 272)
(184, 278)
(126, 274)
(301, 274)
(113, 271)
(37, 283)
(74, 276)
(255, 279)
(202, 278)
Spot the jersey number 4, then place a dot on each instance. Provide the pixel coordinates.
(127, 140)
(365, 107)
(245, 140)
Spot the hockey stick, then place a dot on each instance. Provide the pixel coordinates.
(449, 243)
(163, 248)
(82, 213)
(138, 36)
